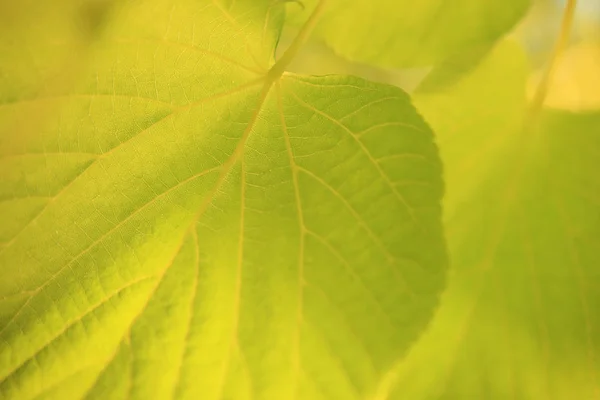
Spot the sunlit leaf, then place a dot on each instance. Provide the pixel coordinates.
(179, 222)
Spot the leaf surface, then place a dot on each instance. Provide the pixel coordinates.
(182, 223)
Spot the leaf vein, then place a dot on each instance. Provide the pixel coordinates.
(101, 238)
(296, 358)
(72, 323)
(384, 176)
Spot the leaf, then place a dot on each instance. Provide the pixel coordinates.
(522, 219)
(404, 33)
(183, 222)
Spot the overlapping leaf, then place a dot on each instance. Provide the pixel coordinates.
(401, 33)
(519, 319)
(179, 222)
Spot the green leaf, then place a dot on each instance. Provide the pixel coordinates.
(182, 222)
(402, 33)
(519, 318)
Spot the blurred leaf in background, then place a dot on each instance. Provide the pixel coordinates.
(406, 33)
(522, 214)
(43, 44)
(576, 82)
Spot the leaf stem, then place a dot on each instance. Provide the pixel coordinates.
(559, 47)
(279, 68)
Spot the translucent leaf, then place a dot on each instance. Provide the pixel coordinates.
(181, 222)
